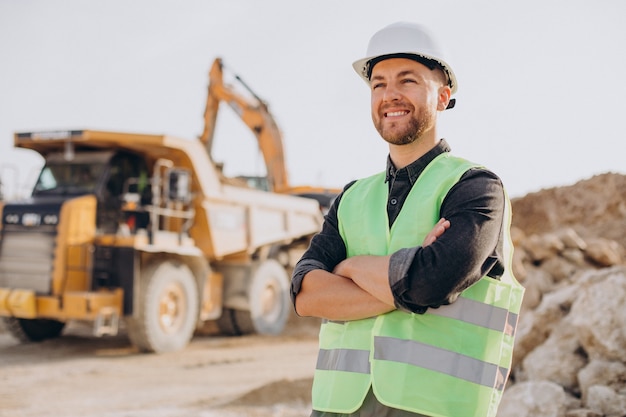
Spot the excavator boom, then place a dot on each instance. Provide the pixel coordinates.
(256, 115)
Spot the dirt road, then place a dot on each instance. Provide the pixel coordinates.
(79, 375)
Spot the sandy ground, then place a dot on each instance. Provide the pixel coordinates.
(80, 375)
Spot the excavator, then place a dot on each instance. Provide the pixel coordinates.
(255, 113)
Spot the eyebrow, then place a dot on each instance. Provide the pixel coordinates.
(400, 74)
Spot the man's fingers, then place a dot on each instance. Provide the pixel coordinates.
(438, 230)
(443, 225)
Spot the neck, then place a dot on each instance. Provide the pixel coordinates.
(403, 155)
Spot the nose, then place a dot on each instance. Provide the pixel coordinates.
(391, 93)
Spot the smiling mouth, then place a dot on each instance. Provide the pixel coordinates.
(396, 113)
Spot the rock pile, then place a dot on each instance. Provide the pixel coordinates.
(570, 354)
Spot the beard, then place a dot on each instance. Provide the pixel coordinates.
(396, 134)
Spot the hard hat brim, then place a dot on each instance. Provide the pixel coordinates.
(361, 67)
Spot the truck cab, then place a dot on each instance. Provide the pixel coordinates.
(103, 174)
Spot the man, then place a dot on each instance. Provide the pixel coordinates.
(411, 272)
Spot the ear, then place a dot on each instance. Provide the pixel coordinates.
(445, 93)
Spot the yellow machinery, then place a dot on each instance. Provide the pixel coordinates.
(254, 112)
(145, 229)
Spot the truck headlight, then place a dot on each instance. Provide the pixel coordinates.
(50, 219)
(12, 218)
(31, 219)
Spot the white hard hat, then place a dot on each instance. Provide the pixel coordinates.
(408, 40)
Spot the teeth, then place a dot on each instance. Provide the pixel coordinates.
(395, 113)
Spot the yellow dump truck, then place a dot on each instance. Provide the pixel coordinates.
(146, 231)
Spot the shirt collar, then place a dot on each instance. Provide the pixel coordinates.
(415, 168)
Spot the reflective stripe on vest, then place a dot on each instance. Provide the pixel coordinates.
(465, 310)
(451, 361)
(435, 359)
(346, 360)
(483, 315)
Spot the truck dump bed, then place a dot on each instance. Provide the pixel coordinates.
(229, 219)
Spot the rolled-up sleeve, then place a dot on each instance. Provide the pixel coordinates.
(325, 251)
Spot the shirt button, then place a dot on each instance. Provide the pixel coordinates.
(393, 201)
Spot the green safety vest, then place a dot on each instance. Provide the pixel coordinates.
(451, 361)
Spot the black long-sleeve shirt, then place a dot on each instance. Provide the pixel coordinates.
(422, 277)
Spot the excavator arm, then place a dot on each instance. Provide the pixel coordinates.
(256, 115)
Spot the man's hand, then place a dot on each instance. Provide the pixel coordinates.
(371, 273)
(335, 297)
(441, 226)
(356, 289)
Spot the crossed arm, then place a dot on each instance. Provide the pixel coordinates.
(357, 288)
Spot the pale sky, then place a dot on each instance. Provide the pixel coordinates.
(540, 81)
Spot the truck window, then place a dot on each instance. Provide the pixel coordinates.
(68, 179)
(123, 167)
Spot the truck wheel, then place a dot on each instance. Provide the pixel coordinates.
(33, 330)
(167, 309)
(269, 302)
(235, 322)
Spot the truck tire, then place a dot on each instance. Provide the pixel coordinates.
(33, 330)
(269, 303)
(167, 309)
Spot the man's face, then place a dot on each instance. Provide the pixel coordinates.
(405, 99)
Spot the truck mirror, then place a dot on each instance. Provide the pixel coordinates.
(178, 185)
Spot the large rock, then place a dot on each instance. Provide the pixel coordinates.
(542, 247)
(606, 401)
(535, 326)
(559, 267)
(604, 252)
(576, 339)
(571, 239)
(558, 359)
(602, 372)
(599, 315)
(534, 399)
(536, 283)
